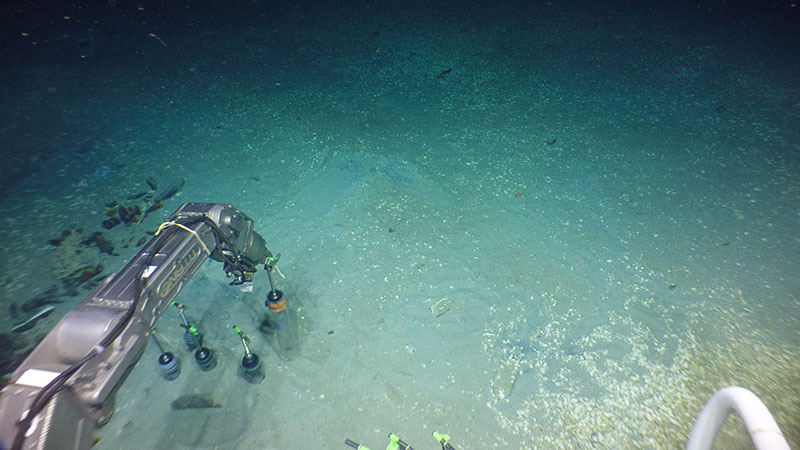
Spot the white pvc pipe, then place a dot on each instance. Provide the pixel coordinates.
(763, 430)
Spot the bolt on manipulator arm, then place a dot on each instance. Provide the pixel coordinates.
(66, 386)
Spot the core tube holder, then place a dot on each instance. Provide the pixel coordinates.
(251, 364)
(281, 323)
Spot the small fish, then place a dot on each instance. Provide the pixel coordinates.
(28, 324)
(153, 207)
(152, 183)
(170, 191)
(137, 195)
(444, 73)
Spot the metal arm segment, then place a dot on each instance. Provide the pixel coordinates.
(84, 359)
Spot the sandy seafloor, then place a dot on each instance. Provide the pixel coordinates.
(605, 201)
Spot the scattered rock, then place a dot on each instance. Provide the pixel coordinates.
(72, 258)
(111, 222)
(98, 240)
(56, 241)
(130, 214)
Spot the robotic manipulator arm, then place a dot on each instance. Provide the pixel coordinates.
(65, 387)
